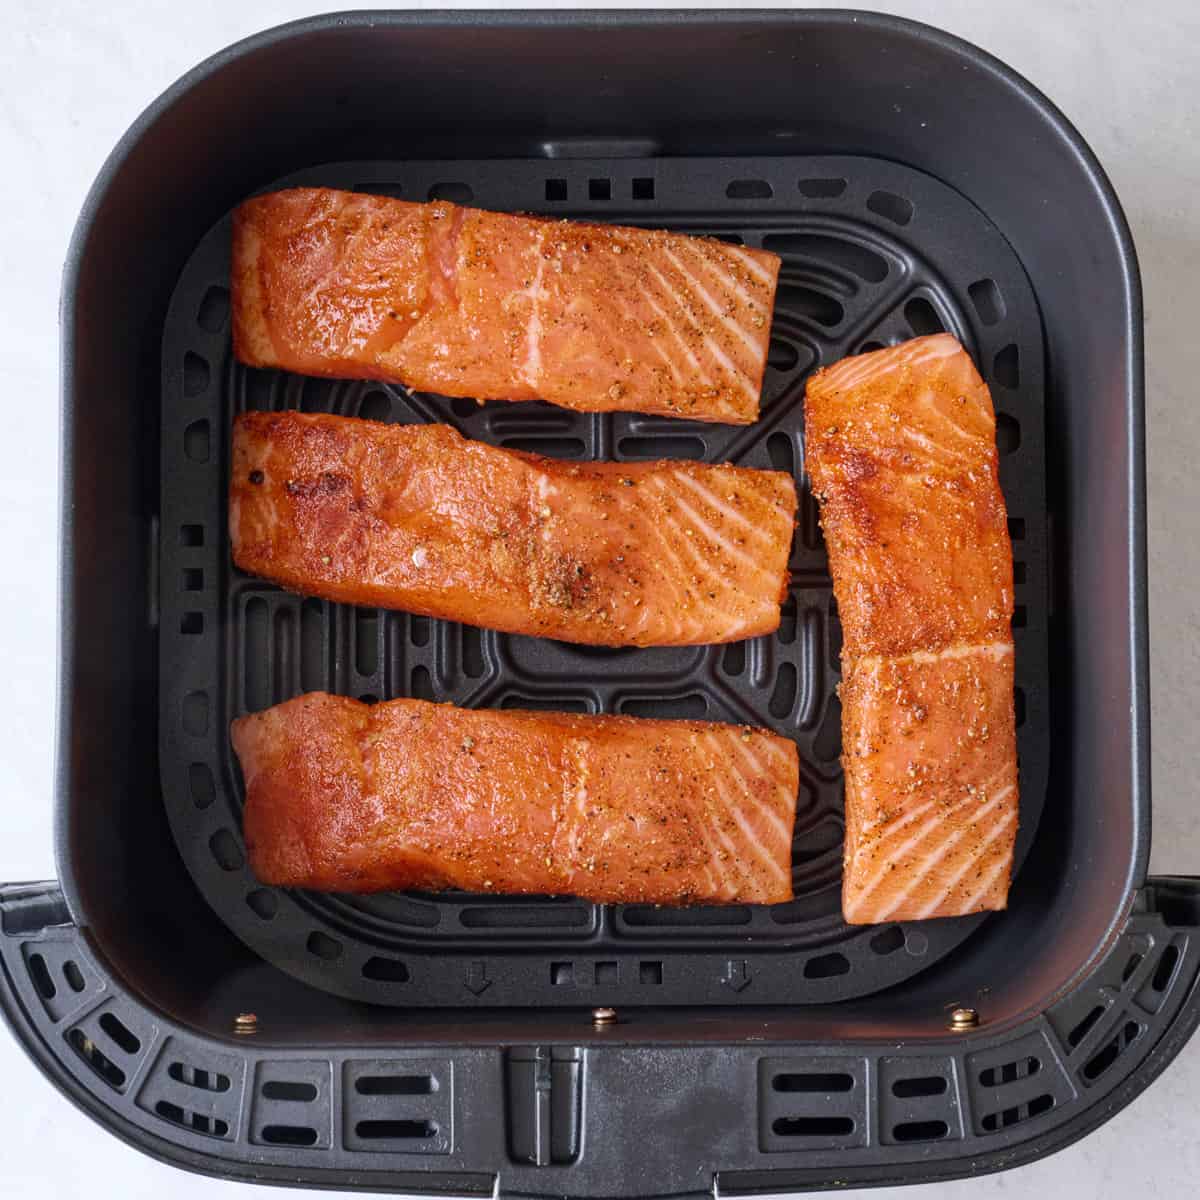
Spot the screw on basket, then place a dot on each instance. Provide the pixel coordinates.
(245, 1023)
(962, 1019)
(603, 1017)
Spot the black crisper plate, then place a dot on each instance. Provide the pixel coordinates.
(873, 253)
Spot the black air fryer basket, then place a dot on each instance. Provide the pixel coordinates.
(460, 1044)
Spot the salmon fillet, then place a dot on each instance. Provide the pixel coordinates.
(419, 518)
(351, 797)
(597, 318)
(901, 451)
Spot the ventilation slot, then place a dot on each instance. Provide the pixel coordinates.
(422, 685)
(193, 579)
(781, 356)
(733, 659)
(195, 375)
(786, 633)
(920, 1131)
(1008, 433)
(988, 301)
(1131, 966)
(288, 1135)
(836, 252)
(376, 406)
(812, 1126)
(91, 1054)
(643, 188)
(925, 1085)
(454, 191)
(395, 1130)
(794, 1082)
(74, 976)
(1165, 971)
(191, 623)
(1010, 1072)
(1006, 367)
(827, 745)
(120, 1033)
(599, 189)
(1111, 1051)
(396, 1085)
(191, 536)
(196, 441)
(556, 190)
(323, 946)
(660, 447)
(195, 1122)
(366, 648)
(680, 708)
(1007, 1117)
(225, 850)
(562, 974)
(472, 652)
(891, 207)
(821, 189)
(650, 973)
(826, 966)
(40, 974)
(263, 903)
(922, 317)
(286, 1089)
(312, 646)
(1085, 1026)
(784, 696)
(552, 447)
(385, 970)
(749, 189)
(214, 310)
(808, 303)
(197, 1077)
(888, 941)
(779, 450)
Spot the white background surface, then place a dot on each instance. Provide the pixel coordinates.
(74, 75)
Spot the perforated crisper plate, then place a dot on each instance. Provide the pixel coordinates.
(873, 253)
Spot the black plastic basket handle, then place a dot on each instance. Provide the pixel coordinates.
(511, 1118)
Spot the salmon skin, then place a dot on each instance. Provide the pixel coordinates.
(901, 451)
(419, 518)
(597, 318)
(350, 797)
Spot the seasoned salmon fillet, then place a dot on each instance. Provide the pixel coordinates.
(493, 306)
(351, 797)
(419, 518)
(901, 452)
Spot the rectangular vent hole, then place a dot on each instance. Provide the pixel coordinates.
(74, 976)
(41, 977)
(826, 966)
(606, 972)
(290, 1090)
(989, 303)
(749, 189)
(813, 1126)
(99, 1062)
(396, 1085)
(1111, 1051)
(198, 1077)
(191, 535)
(819, 1082)
(196, 1122)
(1084, 1027)
(562, 974)
(920, 1131)
(556, 190)
(120, 1033)
(193, 579)
(822, 189)
(650, 972)
(1165, 970)
(643, 188)
(927, 1085)
(599, 189)
(289, 1135)
(1010, 1072)
(395, 1130)
(191, 623)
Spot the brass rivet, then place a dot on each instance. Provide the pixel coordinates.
(962, 1019)
(245, 1023)
(602, 1017)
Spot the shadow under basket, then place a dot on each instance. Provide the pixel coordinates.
(456, 1044)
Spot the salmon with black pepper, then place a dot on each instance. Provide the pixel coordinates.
(351, 797)
(597, 318)
(900, 446)
(419, 518)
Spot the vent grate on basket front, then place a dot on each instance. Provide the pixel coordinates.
(873, 253)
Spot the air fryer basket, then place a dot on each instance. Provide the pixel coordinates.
(911, 183)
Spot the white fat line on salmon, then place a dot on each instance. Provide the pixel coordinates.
(671, 325)
(732, 850)
(696, 287)
(920, 873)
(697, 601)
(533, 334)
(974, 856)
(754, 770)
(752, 344)
(1004, 863)
(873, 662)
(750, 263)
(704, 528)
(705, 823)
(678, 594)
(758, 532)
